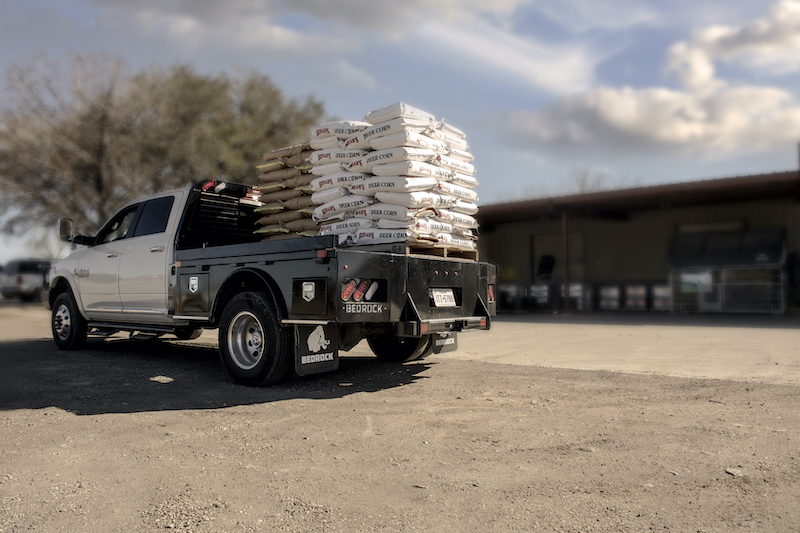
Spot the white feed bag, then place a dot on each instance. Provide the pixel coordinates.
(324, 143)
(327, 168)
(453, 241)
(349, 225)
(337, 179)
(412, 168)
(381, 211)
(456, 219)
(420, 225)
(341, 129)
(328, 195)
(461, 155)
(460, 206)
(386, 223)
(452, 130)
(448, 138)
(397, 184)
(361, 139)
(409, 138)
(340, 205)
(377, 235)
(464, 233)
(334, 155)
(414, 199)
(431, 226)
(456, 191)
(470, 182)
(451, 163)
(390, 155)
(398, 110)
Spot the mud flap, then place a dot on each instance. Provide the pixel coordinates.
(444, 342)
(315, 349)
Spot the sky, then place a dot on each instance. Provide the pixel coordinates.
(644, 92)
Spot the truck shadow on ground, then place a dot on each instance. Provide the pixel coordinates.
(126, 376)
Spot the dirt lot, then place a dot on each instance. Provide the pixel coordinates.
(546, 423)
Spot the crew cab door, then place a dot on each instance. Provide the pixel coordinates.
(99, 264)
(145, 259)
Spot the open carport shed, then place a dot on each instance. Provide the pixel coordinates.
(722, 245)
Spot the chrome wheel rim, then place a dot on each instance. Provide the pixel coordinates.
(245, 340)
(62, 322)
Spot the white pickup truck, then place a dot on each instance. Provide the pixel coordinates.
(178, 262)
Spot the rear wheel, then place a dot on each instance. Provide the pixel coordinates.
(68, 325)
(254, 348)
(393, 349)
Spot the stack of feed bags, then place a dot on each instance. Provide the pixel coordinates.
(285, 194)
(400, 175)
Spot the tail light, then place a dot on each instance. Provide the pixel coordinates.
(490, 294)
(349, 287)
(368, 290)
(360, 290)
(19, 280)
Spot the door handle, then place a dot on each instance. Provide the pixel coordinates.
(112, 254)
(157, 249)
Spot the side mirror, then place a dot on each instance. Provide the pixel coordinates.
(66, 229)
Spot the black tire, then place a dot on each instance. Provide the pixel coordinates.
(187, 333)
(68, 325)
(254, 348)
(390, 348)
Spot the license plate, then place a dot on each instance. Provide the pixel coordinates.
(443, 297)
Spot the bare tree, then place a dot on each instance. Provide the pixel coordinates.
(585, 180)
(580, 180)
(80, 138)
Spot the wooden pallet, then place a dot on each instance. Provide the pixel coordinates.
(437, 251)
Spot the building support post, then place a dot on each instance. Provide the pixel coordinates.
(565, 246)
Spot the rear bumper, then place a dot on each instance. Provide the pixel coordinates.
(417, 328)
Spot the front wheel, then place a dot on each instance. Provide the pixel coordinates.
(393, 349)
(254, 348)
(68, 325)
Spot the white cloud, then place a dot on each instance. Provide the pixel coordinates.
(344, 74)
(581, 15)
(469, 35)
(707, 115)
(246, 34)
(481, 48)
(770, 44)
(661, 119)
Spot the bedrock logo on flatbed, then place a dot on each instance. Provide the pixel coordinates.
(364, 308)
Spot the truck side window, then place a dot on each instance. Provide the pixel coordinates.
(154, 217)
(118, 227)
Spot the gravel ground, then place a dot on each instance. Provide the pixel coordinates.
(574, 424)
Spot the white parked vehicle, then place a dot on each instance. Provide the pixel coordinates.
(24, 279)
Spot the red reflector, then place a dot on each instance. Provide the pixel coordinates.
(322, 254)
(209, 185)
(483, 323)
(423, 328)
(362, 288)
(348, 289)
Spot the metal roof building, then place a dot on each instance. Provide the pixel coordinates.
(722, 245)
